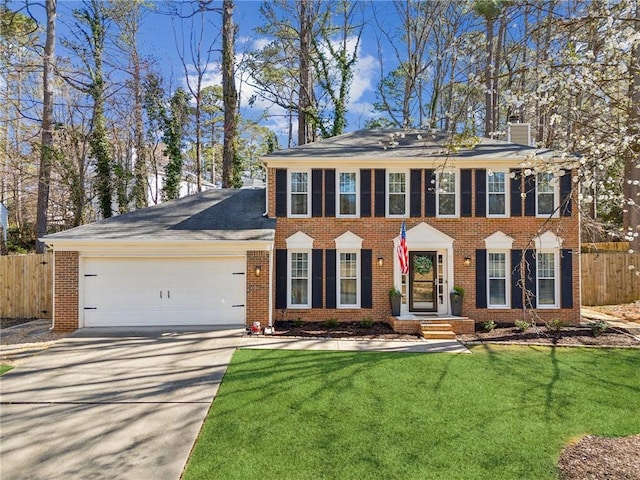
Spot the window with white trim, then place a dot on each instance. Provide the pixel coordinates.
(547, 279)
(397, 197)
(299, 280)
(347, 194)
(546, 194)
(300, 200)
(348, 280)
(498, 285)
(497, 194)
(446, 188)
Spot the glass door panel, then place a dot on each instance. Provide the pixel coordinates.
(423, 282)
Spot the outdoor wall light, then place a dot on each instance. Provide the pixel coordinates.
(258, 270)
(467, 261)
(380, 261)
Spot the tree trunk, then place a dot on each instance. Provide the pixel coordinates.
(229, 94)
(495, 113)
(46, 152)
(488, 83)
(304, 100)
(631, 212)
(140, 167)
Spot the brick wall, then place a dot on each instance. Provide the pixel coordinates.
(65, 294)
(468, 234)
(257, 302)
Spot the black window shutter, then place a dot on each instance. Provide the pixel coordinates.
(530, 276)
(365, 193)
(316, 278)
(530, 199)
(566, 278)
(329, 193)
(465, 192)
(281, 192)
(516, 193)
(565, 194)
(380, 182)
(330, 284)
(481, 278)
(516, 278)
(281, 278)
(316, 192)
(481, 192)
(415, 195)
(430, 193)
(366, 284)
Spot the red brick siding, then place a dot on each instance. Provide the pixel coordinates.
(468, 234)
(257, 302)
(65, 294)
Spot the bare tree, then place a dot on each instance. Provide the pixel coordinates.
(229, 95)
(46, 152)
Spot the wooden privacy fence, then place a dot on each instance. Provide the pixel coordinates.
(26, 286)
(609, 278)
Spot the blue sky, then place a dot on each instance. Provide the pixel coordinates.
(158, 41)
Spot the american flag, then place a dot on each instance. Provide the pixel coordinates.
(403, 253)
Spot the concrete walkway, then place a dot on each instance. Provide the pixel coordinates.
(346, 344)
(614, 322)
(111, 404)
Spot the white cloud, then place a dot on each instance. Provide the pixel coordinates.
(365, 71)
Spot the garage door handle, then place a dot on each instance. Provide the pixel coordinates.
(237, 305)
(160, 293)
(168, 294)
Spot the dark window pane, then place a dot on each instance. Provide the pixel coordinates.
(546, 292)
(299, 204)
(348, 204)
(497, 292)
(396, 204)
(496, 204)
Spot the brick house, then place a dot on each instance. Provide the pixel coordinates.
(494, 218)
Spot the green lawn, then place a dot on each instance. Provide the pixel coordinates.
(4, 369)
(501, 413)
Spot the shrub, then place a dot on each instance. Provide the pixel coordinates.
(366, 322)
(555, 325)
(522, 325)
(458, 290)
(331, 322)
(598, 328)
(488, 326)
(298, 322)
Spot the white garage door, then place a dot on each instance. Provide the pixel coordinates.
(143, 291)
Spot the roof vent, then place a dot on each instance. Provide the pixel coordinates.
(519, 133)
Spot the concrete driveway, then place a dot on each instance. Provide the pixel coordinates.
(111, 404)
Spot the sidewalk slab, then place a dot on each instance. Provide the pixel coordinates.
(345, 344)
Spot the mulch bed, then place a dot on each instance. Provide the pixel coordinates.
(600, 458)
(541, 335)
(11, 322)
(379, 330)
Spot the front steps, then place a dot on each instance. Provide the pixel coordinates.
(437, 330)
(410, 323)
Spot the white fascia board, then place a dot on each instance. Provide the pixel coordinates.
(146, 247)
(409, 162)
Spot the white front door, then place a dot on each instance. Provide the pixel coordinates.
(160, 291)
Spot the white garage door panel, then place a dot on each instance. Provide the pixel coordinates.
(163, 291)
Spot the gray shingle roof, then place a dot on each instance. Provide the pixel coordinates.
(214, 215)
(370, 144)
